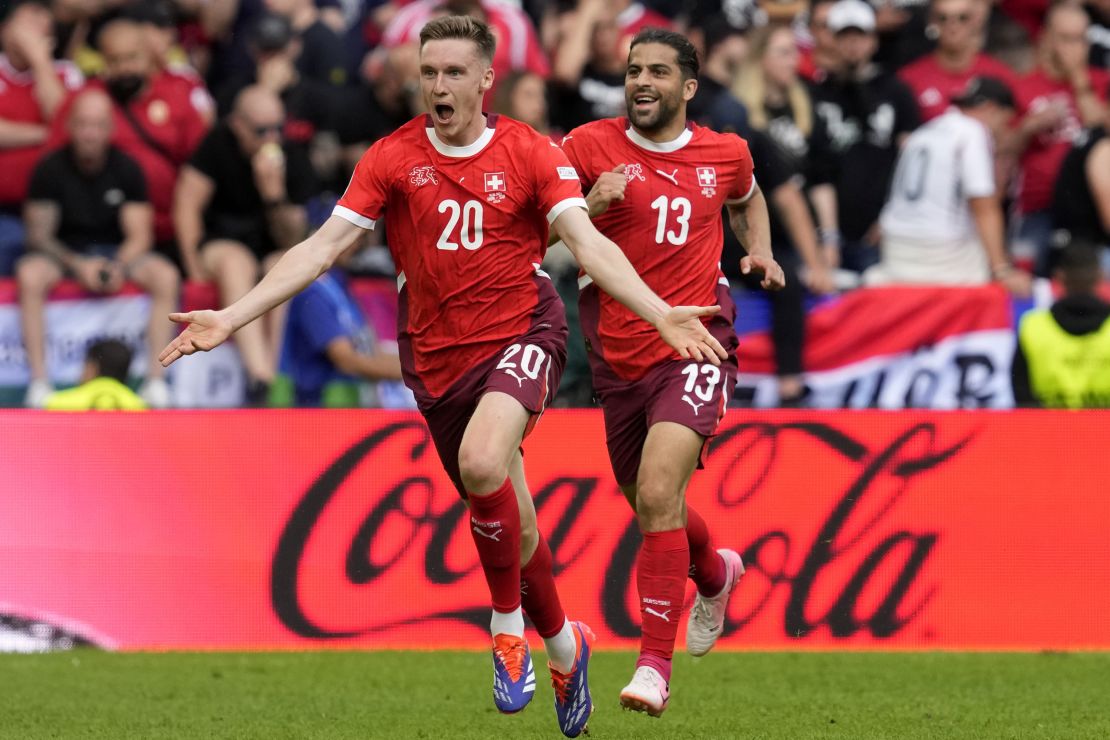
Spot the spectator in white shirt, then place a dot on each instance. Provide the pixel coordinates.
(943, 220)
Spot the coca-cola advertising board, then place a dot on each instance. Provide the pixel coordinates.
(324, 529)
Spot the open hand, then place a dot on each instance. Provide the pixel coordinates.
(682, 329)
(773, 277)
(205, 330)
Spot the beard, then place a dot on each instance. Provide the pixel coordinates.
(651, 121)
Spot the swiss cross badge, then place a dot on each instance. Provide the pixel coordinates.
(495, 186)
(707, 178)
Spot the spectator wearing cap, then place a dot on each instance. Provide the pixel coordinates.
(311, 106)
(240, 202)
(959, 31)
(103, 385)
(866, 113)
(1063, 353)
(943, 222)
(1057, 100)
(32, 88)
(1081, 200)
(322, 51)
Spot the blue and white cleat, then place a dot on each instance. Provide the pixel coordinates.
(573, 704)
(514, 680)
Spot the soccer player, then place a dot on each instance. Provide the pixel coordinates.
(658, 184)
(467, 200)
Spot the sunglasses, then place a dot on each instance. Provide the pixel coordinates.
(943, 18)
(273, 128)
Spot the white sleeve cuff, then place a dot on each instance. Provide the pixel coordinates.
(563, 205)
(744, 199)
(354, 217)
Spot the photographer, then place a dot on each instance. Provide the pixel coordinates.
(88, 217)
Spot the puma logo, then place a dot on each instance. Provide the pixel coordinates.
(673, 177)
(519, 380)
(488, 535)
(695, 406)
(661, 615)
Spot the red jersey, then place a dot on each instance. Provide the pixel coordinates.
(669, 223)
(1040, 164)
(175, 118)
(933, 86)
(467, 227)
(18, 105)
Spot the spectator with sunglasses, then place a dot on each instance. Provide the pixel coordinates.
(958, 26)
(240, 203)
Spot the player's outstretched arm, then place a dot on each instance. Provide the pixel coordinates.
(605, 263)
(296, 269)
(752, 226)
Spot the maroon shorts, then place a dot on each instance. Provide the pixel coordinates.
(528, 369)
(685, 392)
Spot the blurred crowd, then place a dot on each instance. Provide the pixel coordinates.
(153, 142)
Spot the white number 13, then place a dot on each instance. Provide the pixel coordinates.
(712, 375)
(680, 205)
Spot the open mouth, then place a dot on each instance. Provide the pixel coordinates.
(443, 112)
(644, 102)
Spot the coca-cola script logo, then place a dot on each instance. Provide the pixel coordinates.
(379, 541)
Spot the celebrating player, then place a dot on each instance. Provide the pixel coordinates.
(467, 200)
(658, 185)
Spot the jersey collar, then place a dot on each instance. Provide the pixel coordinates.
(462, 151)
(660, 146)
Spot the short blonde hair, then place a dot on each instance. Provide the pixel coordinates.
(461, 27)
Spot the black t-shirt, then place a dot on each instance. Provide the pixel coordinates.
(89, 204)
(1073, 205)
(235, 210)
(1099, 37)
(597, 95)
(863, 122)
(323, 55)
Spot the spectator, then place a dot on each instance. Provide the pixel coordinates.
(589, 63)
(322, 50)
(959, 31)
(157, 121)
(88, 217)
(1081, 201)
(725, 48)
(867, 113)
(821, 55)
(310, 106)
(1099, 33)
(239, 203)
(328, 346)
(103, 385)
(1063, 354)
(158, 21)
(32, 87)
(523, 96)
(944, 221)
(1057, 99)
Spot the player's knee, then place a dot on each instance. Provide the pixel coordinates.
(657, 505)
(481, 471)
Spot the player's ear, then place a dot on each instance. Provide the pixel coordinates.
(487, 80)
(689, 87)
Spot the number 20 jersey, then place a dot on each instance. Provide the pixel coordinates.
(467, 228)
(668, 224)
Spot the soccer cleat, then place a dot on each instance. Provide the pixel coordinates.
(647, 692)
(514, 680)
(573, 704)
(707, 616)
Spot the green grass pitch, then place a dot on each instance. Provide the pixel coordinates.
(446, 695)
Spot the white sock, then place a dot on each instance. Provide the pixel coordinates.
(507, 623)
(561, 648)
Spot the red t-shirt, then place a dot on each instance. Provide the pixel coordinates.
(467, 227)
(18, 105)
(933, 87)
(174, 116)
(669, 223)
(1040, 164)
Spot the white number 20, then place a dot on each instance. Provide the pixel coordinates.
(470, 233)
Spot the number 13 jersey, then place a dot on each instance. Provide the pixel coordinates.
(467, 228)
(669, 226)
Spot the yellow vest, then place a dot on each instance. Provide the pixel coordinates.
(99, 394)
(1065, 370)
